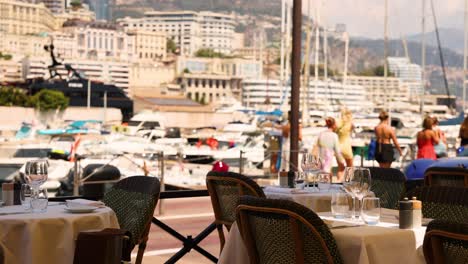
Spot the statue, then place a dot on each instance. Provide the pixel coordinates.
(53, 67)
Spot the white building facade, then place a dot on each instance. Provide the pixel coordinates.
(189, 30)
(408, 72)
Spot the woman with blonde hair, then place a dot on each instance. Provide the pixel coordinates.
(426, 139)
(344, 131)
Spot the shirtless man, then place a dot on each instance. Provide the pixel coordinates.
(385, 134)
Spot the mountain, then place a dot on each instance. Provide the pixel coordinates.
(450, 38)
(376, 47)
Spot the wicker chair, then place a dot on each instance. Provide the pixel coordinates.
(442, 176)
(225, 188)
(133, 200)
(282, 231)
(446, 242)
(389, 185)
(443, 202)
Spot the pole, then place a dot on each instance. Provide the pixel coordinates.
(89, 94)
(423, 57)
(317, 47)
(76, 179)
(465, 53)
(345, 71)
(105, 108)
(386, 53)
(283, 17)
(296, 84)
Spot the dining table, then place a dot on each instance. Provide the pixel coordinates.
(358, 243)
(311, 197)
(47, 237)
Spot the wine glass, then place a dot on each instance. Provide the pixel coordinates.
(324, 181)
(348, 187)
(299, 180)
(36, 172)
(358, 183)
(311, 165)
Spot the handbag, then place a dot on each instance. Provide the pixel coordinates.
(372, 149)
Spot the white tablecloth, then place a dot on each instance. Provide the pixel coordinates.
(47, 237)
(380, 244)
(316, 201)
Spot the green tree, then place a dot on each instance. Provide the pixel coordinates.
(209, 53)
(76, 4)
(46, 100)
(375, 71)
(11, 96)
(171, 46)
(5, 56)
(186, 70)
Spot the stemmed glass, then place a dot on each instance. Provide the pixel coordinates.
(36, 174)
(357, 183)
(311, 165)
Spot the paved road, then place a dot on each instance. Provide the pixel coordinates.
(189, 216)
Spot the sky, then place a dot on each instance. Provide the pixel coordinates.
(365, 18)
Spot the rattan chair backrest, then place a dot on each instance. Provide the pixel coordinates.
(133, 200)
(389, 185)
(225, 188)
(446, 242)
(282, 231)
(443, 202)
(446, 176)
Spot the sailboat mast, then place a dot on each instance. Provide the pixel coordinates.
(317, 47)
(305, 85)
(465, 53)
(283, 17)
(423, 56)
(386, 53)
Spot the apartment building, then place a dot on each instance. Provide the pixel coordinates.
(23, 18)
(149, 45)
(379, 89)
(236, 67)
(190, 30)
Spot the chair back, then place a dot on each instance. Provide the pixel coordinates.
(133, 200)
(282, 231)
(389, 185)
(443, 202)
(225, 188)
(446, 176)
(446, 242)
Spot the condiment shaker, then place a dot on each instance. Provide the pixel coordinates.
(283, 178)
(410, 213)
(7, 193)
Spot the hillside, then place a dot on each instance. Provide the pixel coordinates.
(450, 38)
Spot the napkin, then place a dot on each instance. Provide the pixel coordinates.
(85, 202)
(274, 189)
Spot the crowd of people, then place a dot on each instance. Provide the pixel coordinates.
(335, 142)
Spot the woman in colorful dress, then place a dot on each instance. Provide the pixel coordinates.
(328, 146)
(426, 140)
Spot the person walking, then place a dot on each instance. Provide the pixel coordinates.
(328, 146)
(344, 131)
(385, 134)
(441, 148)
(426, 140)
